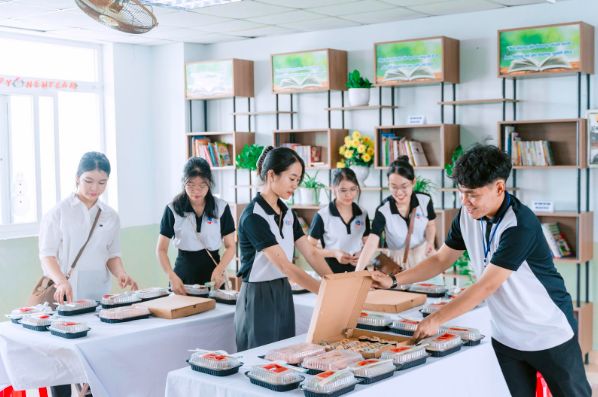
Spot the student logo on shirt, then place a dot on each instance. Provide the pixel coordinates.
(212, 221)
(358, 223)
(288, 222)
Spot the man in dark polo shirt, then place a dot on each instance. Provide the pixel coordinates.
(533, 328)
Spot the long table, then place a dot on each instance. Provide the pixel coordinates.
(473, 371)
(128, 359)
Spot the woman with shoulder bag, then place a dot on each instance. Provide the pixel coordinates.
(79, 243)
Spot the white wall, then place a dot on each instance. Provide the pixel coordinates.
(542, 98)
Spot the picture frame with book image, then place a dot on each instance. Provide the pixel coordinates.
(592, 117)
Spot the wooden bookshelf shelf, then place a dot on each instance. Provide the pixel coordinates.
(438, 142)
(584, 314)
(265, 113)
(578, 231)
(567, 138)
(365, 107)
(488, 101)
(307, 212)
(235, 140)
(444, 218)
(328, 139)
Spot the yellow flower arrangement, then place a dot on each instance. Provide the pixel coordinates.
(357, 150)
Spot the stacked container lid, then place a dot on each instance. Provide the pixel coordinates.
(151, 293)
(275, 376)
(373, 370)
(373, 322)
(432, 307)
(122, 314)
(443, 344)
(295, 354)
(37, 321)
(217, 363)
(16, 315)
(80, 306)
(405, 357)
(404, 326)
(470, 336)
(110, 301)
(431, 290)
(68, 329)
(330, 383)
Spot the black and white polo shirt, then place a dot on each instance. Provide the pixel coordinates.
(259, 228)
(531, 310)
(395, 226)
(195, 233)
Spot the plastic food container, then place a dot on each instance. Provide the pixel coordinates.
(295, 354)
(275, 377)
(373, 370)
(16, 315)
(147, 294)
(110, 301)
(228, 297)
(470, 336)
(443, 344)
(333, 360)
(68, 329)
(431, 290)
(432, 307)
(122, 314)
(404, 357)
(373, 322)
(404, 326)
(329, 384)
(36, 321)
(217, 363)
(197, 290)
(78, 307)
(453, 292)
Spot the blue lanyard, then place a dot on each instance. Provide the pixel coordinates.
(492, 232)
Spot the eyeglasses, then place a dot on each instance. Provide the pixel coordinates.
(352, 190)
(403, 188)
(197, 187)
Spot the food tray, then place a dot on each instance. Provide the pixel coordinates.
(329, 383)
(373, 322)
(214, 360)
(36, 321)
(227, 297)
(432, 307)
(431, 290)
(111, 301)
(197, 290)
(16, 314)
(295, 354)
(275, 377)
(215, 372)
(123, 314)
(147, 294)
(443, 345)
(332, 360)
(68, 329)
(373, 370)
(470, 336)
(404, 357)
(404, 326)
(80, 306)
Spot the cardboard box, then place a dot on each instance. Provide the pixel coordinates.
(339, 303)
(392, 301)
(177, 306)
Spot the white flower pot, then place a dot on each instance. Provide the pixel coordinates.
(307, 196)
(361, 173)
(359, 96)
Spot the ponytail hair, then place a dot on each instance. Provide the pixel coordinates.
(278, 160)
(402, 167)
(195, 167)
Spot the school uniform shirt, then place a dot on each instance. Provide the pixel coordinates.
(395, 227)
(329, 227)
(194, 236)
(531, 310)
(64, 230)
(259, 228)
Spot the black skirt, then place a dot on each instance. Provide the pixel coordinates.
(195, 267)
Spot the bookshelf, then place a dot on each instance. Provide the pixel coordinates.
(329, 140)
(438, 141)
(234, 141)
(577, 229)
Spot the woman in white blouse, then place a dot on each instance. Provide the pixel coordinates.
(65, 228)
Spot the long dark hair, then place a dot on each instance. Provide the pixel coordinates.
(345, 174)
(402, 167)
(278, 160)
(195, 167)
(92, 161)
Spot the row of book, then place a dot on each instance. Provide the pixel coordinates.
(311, 155)
(394, 146)
(527, 153)
(217, 154)
(556, 241)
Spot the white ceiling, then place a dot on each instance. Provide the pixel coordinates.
(235, 21)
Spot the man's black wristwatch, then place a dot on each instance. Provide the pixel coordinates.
(394, 281)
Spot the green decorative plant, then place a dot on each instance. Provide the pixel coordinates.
(423, 185)
(456, 154)
(310, 182)
(462, 267)
(247, 158)
(356, 81)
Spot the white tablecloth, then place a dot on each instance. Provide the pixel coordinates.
(473, 371)
(127, 359)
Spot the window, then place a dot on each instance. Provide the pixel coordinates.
(44, 129)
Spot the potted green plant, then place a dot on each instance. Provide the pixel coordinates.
(462, 267)
(247, 159)
(423, 185)
(359, 89)
(309, 190)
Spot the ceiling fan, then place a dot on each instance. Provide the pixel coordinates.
(130, 16)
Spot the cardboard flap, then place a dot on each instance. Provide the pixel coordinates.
(340, 300)
(392, 301)
(176, 306)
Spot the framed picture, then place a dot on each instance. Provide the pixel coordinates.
(593, 138)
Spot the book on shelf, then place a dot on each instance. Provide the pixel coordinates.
(217, 154)
(394, 146)
(527, 153)
(300, 82)
(535, 65)
(311, 155)
(556, 241)
(405, 74)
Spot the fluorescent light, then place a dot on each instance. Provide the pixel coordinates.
(189, 4)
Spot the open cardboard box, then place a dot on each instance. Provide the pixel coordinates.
(386, 301)
(339, 303)
(177, 306)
